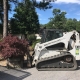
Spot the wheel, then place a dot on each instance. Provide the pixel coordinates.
(68, 59)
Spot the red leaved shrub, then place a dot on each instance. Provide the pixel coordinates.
(13, 46)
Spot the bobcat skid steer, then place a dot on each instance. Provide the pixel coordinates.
(57, 50)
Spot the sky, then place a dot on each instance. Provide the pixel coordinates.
(71, 7)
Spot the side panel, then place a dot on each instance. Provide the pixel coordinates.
(48, 53)
(76, 52)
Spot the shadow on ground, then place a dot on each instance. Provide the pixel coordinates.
(12, 74)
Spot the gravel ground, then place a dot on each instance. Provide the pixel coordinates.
(34, 74)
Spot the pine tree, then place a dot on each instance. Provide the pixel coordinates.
(25, 19)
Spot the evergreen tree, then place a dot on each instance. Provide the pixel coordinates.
(25, 19)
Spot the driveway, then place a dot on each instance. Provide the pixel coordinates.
(34, 74)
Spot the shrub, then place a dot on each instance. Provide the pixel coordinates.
(13, 46)
(31, 38)
(35, 42)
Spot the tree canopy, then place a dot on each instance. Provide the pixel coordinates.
(59, 21)
(25, 19)
(41, 5)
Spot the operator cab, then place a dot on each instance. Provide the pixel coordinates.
(50, 34)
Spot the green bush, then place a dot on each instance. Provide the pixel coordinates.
(31, 38)
(34, 43)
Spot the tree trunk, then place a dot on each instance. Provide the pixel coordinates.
(5, 20)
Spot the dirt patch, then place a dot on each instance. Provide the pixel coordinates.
(3, 63)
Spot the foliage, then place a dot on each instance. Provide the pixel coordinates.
(50, 24)
(1, 11)
(32, 40)
(13, 46)
(31, 37)
(4, 12)
(1, 8)
(70, 24)
(41, 5)
(25, 18)
(35, 4)
(78, 26)
(59, 18)
(34, 43)
(14, 28)
(60, 21)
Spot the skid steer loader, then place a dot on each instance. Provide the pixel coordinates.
(57, 50)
